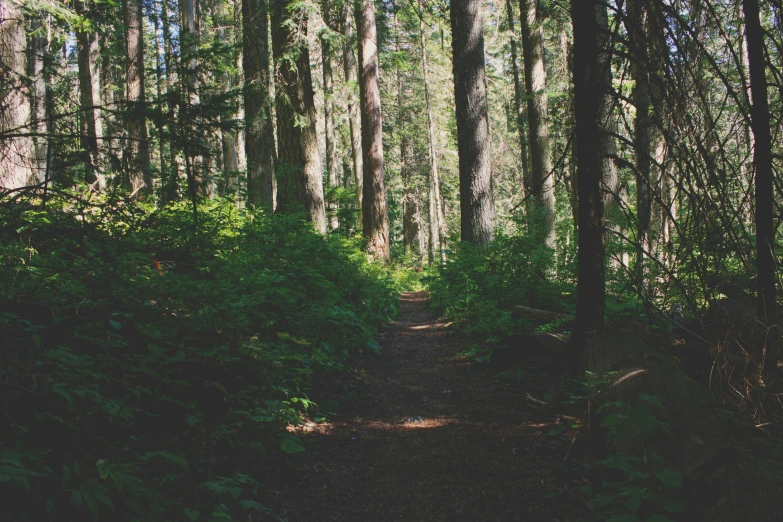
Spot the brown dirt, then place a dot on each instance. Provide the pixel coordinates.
(432, 436)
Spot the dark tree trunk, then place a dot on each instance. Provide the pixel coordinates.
(299, 176)
(354, 120)
(477, 205)
(519, 104)
(139, 174)
(542, 179)
(589, 67)
(762, 160)
(40, 94)
(332, 169)
(375, 213)
(259, 133)
(89, 98)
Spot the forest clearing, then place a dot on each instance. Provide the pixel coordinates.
(391, 260)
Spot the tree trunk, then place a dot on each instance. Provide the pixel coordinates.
(637, 35)
(15, 151)
(89, 98)
(375, 213)
(331, 147)
(519, 105)
(138, 174)
(259, 133)
(354, 121)
(477, 205)
(299, 176)
(762, 161)
(542, 178)
(436, 232)
(412, 232)
(589, 64)
(39, 101)
(171, 180)
(192, 137)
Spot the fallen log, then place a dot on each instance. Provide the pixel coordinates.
(536, 315)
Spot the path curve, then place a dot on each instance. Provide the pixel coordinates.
(432, 437)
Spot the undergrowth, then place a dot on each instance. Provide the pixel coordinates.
(478, 286)
(149, 369)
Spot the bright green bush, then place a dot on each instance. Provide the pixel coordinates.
(148, 370)
(478, 285)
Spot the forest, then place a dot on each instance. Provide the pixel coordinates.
(304, 260)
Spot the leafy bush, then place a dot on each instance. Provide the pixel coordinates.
(148, 369)
(478, 285)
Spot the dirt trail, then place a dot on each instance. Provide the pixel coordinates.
(432, 437)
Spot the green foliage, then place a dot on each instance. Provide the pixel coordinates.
(148, 370)
(478, 285)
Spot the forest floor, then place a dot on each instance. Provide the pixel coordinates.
(429, 435)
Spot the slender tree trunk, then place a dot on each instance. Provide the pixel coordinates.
(89, 98)
(161, 121)
(172, 179)
(375, 213)
(519, 105)
(38, 49)
(192, 137)
(542, 179)
(436, 232)
(354, 120)
(299, 176)
(477, 205)
(762, 161)
(139, 174)
(259, 133)
(332, 169)
(16, 169)
(228, 142)
(589, 65)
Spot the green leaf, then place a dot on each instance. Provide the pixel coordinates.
(291, 445)
(252, 504)
(115, 324)
(192, 514)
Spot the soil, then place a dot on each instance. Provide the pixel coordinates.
(430, 436)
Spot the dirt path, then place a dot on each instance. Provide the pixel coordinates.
(431, 437)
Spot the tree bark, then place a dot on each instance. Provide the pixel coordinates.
(589, 64)
(354, 120)
(90, 98)
(138, 173)
(477, 205)
(332, 168)
(259, 133)
(375, 213)
(15, 168)
(40, 100)
(299, 176)
(519, 105)
(436, 232)
(762, 161)
(542, 178)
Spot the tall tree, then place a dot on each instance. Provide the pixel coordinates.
(375, 213)
(259, 133)
(542, 180)
(332, 168)
(436, 235)
(15, 142)
(477, 204)
(300, 187)
(589, 66)
(519, 104)
(762, 161)
(354, 120)
(40, 99)
(90, 94)
(138, 173)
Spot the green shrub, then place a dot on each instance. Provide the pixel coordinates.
(148, 370)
